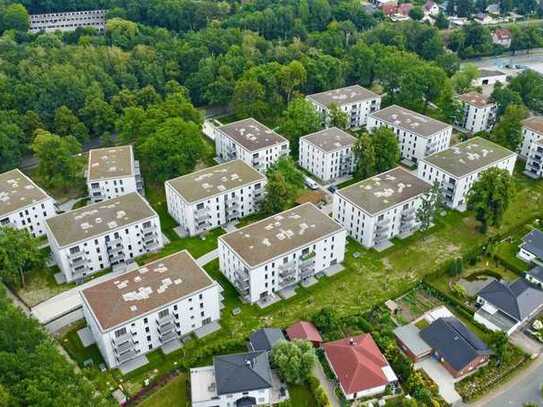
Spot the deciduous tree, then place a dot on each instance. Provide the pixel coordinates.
(299, 119)
(364, 153)
(387, 150)
(19, 253)
(508, 131)
(294, 360)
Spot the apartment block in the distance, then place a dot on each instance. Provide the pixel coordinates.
(460, 166)
(280, 251)
(532, 146)
(23, 204)
(68, 21)
(357, 102)
(250, 141)
(113, 172)
(328, 154)
(151, 307)
(418, 135)
(214, 196)
(479, 113)
(380, 208)
(110, 233)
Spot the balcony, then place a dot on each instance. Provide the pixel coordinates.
(288, 281)
(256, 161)
(113, 242)
(78, 261)
(116, 258)
(383, 225)
(126, 356)
(148, 226)
(119, 340)
(202, 214)
(167, 337)
(287, 272)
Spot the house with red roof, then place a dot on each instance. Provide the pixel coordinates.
(389, 9)
(404, 9)
(306, 331)
(359, 366)
(502, 36)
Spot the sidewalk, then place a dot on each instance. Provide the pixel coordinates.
(328, 386)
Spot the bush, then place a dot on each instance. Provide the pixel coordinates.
(318, 392)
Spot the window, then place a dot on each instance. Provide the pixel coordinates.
(163, 313)
(120, 332)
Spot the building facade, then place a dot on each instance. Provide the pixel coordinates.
(380, 208)
(68, 21)
(418, 135)
(357, 102)
(328, 154)
(113, 172)
(531, 148)
(489, 77)
(214, 196)
(23, 204)
(280, 251)
(479, 114)
(145, 309)
(111, 233)
(250, 141)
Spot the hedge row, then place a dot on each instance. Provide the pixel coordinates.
(318, 392)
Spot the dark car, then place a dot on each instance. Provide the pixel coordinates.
(332, 188)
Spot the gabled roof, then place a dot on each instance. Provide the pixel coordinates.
(454, 342)
(358, 363)
(533, 243)
(404, 9)
(242, 372)
(502, 33)
(265, 339)
(537, 273)
(304, 330)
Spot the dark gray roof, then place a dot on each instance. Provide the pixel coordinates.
(454, 342)
(264, 339)
(533, 243)
(517, 299)
(537, 273)
(242, 372)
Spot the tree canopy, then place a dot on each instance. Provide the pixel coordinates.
(294, 360)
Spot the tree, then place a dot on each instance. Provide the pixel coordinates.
(299, 119)
(15, 17)
(291, 76)
(98, 115)
(364, 154)
(442, 22)
(294, 360)
(500, 345)
(463, 79)
(508, 131)
(432, 202)
(504, 96)
(416, 13)
(249, 99)
(19, 253)
(490, 196)
(327, 322)
(529, 85)
(67, 124)
(285, 181)
(10, 147)
(337, 117)
(57, 165)
(387, 149)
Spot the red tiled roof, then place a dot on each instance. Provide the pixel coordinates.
(358, 365)
(389, 8)
(304, 330)
(502, 34)
(405, 8)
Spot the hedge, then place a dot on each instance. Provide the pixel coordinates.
(318, 392)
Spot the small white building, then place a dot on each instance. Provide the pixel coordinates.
(380, 208)
(68, 21)
(328, 154)
(357, 102)
(214, 196)
(479, 112)
(418, 135)
(111, 233)
(23, 204)
(459, 167)
(151, 307)
(250, 141)
(489, 77)
(113, 172)
(280, 251)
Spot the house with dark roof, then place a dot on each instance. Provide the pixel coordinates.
(359, 366)
(506, 306)
(531, 248)
(409, 340)
(265, 339)
(238, 380)
(455, 346)
(304, 331)
(535, 276)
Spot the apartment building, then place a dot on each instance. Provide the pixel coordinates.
(250, 141)
(380, 208)
(357, 102)
(113, 172)
(214, 196)
(280, 251)
(328, 154)
(418, 135)
(68, 21)
(110, 233)
(151, 307)
(479, 112)
(458, 167)
(23, 204)
(531, 148)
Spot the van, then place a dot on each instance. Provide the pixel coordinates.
(310, 183)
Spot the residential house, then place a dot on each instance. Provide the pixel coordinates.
(67, 21)
(304, 331)
(502, 36)
(479, 112)
(409, 340)
(265, 339)
(531, 248)
(431, 8)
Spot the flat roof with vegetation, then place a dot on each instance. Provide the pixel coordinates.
(342, 96)
(251, 134)
(18, 191)
(110, 162)
(330, 139)
(409, 120)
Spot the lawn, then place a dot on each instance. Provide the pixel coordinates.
(301, 396)
(172, 394)
(40, 285)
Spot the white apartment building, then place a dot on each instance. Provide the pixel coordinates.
(68, 21)
(380, 208)
(418, 135)
(532, 131)
(23, 204)
(86, 240)
(214, 196)
(459, 167)
(534, 162)
(479, 112)
(357, 102)
(280, 251)
(113, 172)
(250, 141)
(151, 307)
(328, 154)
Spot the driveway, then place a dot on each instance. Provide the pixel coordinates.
(327, 385)
(443, 379)
(524, 342)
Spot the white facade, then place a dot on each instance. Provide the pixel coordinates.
(68, 21)
(489, 77)
(23, 204)
(418, 135)
(479, 114)
(532, 131)
(534, 162)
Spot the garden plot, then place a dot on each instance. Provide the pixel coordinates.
(415, 303)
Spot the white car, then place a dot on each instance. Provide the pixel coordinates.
(310, 183)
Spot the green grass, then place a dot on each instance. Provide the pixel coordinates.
(75, 348)
(247, 220)
(40, 285)
(422, 324)
(172, 394)
(301, 396)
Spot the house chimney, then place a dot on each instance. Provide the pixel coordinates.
(351, 341)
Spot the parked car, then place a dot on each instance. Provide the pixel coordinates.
(332, 188)
(310, 183)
